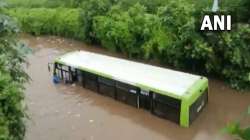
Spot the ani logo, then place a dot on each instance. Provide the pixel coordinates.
(214, 22)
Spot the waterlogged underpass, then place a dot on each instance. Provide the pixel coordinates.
(69, 112)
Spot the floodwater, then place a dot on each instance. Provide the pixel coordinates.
(68, 112)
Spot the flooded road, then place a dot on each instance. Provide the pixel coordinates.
(67, 112)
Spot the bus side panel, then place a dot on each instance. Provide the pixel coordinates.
(193, 102)
(107, 87)
(166, 107)
(91, 82)
(197, 107)
(127, 94)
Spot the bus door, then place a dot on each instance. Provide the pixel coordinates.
(65, 73)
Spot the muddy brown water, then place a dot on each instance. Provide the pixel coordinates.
(66, 112)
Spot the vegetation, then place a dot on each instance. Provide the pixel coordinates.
(169, 34)
(165, 30)
(43, 3)
(60, 21)
(234, 128)
(12, 79)
(243, 11)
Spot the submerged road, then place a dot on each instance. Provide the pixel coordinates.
(69, 112)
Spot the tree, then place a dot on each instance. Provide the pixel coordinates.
(12, 79)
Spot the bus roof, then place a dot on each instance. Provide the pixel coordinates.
(161, 80)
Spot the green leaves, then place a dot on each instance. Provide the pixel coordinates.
(235, 58)
(159, 29)
(248, 111)
(243, 11)
(126, 31)
(90, 9)
(39, 21)
(12, 78)
(234, 128)
(170, 36)
(246, 134)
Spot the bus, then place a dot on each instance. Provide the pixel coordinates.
(176, 96)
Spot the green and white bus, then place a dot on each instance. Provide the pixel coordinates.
(176, 96)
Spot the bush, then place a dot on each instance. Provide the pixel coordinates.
(235, 61)
(25, 3)
(125, 31)
(114, 33)
(177, 43)
(41, 21)
(172, 38)
(90, 9)
(236, 130)
(164, 30)
(12, 79)
(243, 11)
(151, 6)
(43, 3)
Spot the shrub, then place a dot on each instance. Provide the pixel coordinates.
(25, 3)
(236, 130)
(113, 30)
(178, 43)
(43, 3)
(125, 31)
(89, 10)
(172, 38)
(243, 11)
(235, 61)
(114, 33)
(39, 21)
(164, 30)
(12, 79)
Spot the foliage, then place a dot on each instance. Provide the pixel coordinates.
(162, 29)
(25, 3)
(235, 129)
(43, 3)
(243, 11)
(40, 21)
(126, 31)
(151, 6)
(186, 48)
(62, 3)
(171, 37)
(114, 34)
(236, 55)
(90, 9)
(12, 78)
(230, 57)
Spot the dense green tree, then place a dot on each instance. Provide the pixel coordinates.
(243, 11)
(90, 9)
(12, 79)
